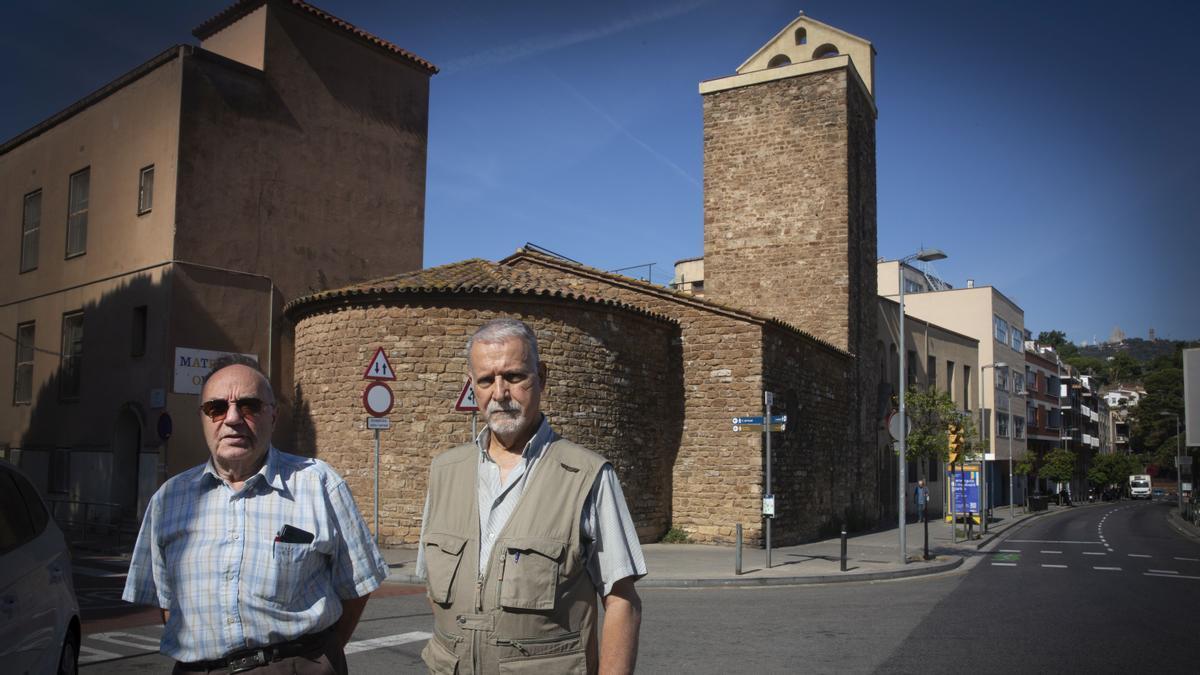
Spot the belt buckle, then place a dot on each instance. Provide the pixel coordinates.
(249, 662)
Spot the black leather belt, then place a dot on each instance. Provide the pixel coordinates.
(249, 659)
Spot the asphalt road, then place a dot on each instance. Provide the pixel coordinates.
(1099, 589)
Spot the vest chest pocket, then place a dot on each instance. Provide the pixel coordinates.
(443, 553)
(530, 570)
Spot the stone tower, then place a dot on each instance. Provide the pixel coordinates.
(789, 198)
(789, 184)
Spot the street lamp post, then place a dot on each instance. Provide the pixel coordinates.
(924, 255)
(1012, 431)
(983, 488)
(1178, 468)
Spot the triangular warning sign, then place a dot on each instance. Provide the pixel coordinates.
(466, 399)
(379, 368)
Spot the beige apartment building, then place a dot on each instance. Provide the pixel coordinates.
(985, 314)
(165, 219)
(936, 358)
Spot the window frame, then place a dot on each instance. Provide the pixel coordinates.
(1018, 425)
(82, 213)
(145, 205)
(139, 331)
(70, 361)
(17, 362)
(1001, 425)
(1000, 329)
(26, 231)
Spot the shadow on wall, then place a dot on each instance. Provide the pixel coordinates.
(91, 435)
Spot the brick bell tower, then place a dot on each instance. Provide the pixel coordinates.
(789, 196)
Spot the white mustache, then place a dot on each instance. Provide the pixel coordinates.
(497, 407)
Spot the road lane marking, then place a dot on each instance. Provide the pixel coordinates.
(1009, 550)
(97, 572)
(1162, 571)
(1168, 576)
(127, 640)
(1107, 569)
(1188, 559)
(1138, 555)
(1094, 553)
(996, 564)
(385, 641)
(1052, 541)
(1062, 567)
(1052, 552)
(92, 655)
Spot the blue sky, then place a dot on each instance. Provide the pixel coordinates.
(1048, 147)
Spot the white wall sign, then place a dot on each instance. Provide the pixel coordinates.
(191, 365)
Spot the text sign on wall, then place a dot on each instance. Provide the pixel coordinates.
(191, 365)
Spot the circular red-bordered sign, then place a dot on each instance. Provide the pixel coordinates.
(377, 399)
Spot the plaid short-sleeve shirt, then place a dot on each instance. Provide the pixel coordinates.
(210, 555)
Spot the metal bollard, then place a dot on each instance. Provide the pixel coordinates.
(737, 554)
(843, 548)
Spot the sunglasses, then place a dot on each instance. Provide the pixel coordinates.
(218, 408)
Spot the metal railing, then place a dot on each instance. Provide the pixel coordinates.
(80, 520)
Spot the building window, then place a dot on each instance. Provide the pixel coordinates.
(1001, 426)
(23, 370)
(801, 36)
(1018, 344)
(31, 227)
(931, 371)
(138, 331)
(910, 366)
(779, 60)
(1018, 383)
(146, 190)
(825, 51)
(1000, 327)
(911, 286)
(1018, 427)
(1001, 378)
(77, 213)
(1035, 418)
(60, 471)
(950, 379)
(72, 356)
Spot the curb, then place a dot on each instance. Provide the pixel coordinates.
(1182, 526)
(729, 582)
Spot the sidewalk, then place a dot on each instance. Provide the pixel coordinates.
(871, 556)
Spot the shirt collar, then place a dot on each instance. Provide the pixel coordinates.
(533, 449)
(269, 472)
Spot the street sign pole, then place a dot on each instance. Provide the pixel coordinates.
(376, 487)
(767, 400)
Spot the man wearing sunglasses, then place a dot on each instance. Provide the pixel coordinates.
(259, 560)
(523, 531)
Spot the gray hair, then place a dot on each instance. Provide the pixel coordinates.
(237, 360)
(503, 330)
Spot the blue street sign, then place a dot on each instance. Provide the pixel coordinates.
(775, 419)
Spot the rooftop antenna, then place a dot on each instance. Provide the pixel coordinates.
(546, 251)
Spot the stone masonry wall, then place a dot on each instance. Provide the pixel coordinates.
(776, 202)
(612, 385)
(718, 476)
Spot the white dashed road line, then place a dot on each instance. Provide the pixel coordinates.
(1162, 571)
(1009, 550)
(1108, 569)
(1188, 559)
(1061, 567)
(1058, 552)
(1138, 555)
(1094, 553)
(386, 641)
(995, 564)
(1168, 576)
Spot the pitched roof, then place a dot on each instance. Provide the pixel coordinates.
(468, 277)
(661, 292)
(241, 8)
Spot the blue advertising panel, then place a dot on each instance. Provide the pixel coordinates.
(965, 485)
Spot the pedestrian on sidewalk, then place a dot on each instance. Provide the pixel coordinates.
(258, 560)
(921, 495)
(523, 530)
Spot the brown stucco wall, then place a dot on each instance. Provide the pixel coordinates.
(311, 171)
(612, 387)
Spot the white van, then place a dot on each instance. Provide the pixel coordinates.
(1139, 486)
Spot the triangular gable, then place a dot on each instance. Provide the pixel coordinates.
(818, 39)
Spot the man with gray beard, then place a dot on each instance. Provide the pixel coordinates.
(523, 531)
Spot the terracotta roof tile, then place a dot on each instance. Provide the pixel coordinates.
(239, 9)
(473, 276)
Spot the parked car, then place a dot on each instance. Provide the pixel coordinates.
(39, 615)
(1158, 493)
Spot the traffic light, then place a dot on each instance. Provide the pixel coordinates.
(955, 441)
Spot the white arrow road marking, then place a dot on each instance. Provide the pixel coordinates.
(127, 640)
(385, 641)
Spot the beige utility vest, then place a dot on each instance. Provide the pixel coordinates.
(533, 610)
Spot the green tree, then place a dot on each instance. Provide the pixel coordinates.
(932, 412)
(1123, 368)
(1059, 465)
(1058, 340)
(1113, 469)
